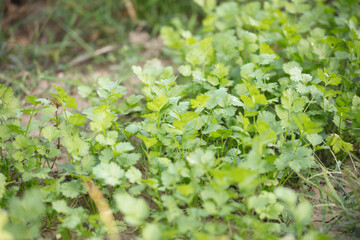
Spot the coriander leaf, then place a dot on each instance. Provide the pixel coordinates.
(302, 159)
(157, 104)
(135, 210)
(110, 173)
(133, 175)
(8, 103)
(51, 133)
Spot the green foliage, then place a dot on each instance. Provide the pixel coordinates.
(259, 90)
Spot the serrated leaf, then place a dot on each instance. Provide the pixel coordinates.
(110, 139)
(291, 101)
(51, 133)
(71, 189)
(149, 142)
(200, 101)
(157, 104)
(8, 102)
(338, 144)
(69, 102)
(133, 175)
(102, 118)
(110, 173)
(77, 119)
(315, 139)
(60, 206)
(302, 159)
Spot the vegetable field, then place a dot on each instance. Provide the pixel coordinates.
(246, 125)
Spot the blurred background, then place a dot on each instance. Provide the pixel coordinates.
(56, 40)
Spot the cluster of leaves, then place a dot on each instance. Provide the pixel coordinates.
(265, 91)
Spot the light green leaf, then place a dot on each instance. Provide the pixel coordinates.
(110, 173)
(157, 104)
(149, 142)
(151, 232)
(8, 102)
(102, 118)
(71, 189)
(122, 147)
(303, 213)
(185, 189)
(51, 133)
(338, 144)
(77, 119)
(200, 101)
(185, 70)
(133, 175)
(135, 209)
(110, 139)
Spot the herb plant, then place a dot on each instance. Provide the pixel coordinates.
(263, 99)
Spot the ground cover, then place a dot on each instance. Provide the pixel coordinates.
(249, 131)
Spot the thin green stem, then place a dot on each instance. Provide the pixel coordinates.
(31, 116)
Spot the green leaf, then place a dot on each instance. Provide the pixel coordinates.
(133, 175)
(314, 139)
(200, 53)
(302, 159)
(157, 104)
(20, 142)
(296, 75)
(77, 119)
(200, 101)
(185, 70)
(265, 205)
(110, 173)
(26, 215)
(173, 211)
(247, 69)
(201, 157)
(69, 102)
(331, 79)
(72, 189)
(290, 65)
(40, 173)
(185, 189)
(135, 210)
(291, 101)
(149, 142)
(303, 213)
(151, 232)
(51, 133)
(338, 144)
(128, 159)
(122, 147)
(8, 103)
(305, 124)
(102, 118)
(110, 139)
(287, 195)
(75, 145)
(133, 99)
(220, 70)
(71, 221)
(60, 206)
